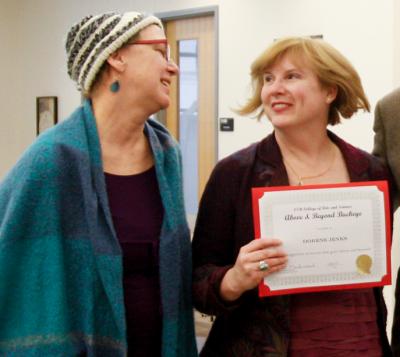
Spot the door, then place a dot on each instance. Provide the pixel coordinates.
(191, 117)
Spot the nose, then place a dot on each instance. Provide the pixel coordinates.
(276, 87)
(173, 68)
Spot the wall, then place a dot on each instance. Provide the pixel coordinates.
(11, 142)
(32, 35)
(396, 30)
(345, 24)
(35, 61)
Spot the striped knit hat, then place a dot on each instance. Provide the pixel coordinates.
(91, 41)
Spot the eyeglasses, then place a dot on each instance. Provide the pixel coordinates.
(167, 54)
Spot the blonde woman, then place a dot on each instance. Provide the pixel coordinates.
(301, 85)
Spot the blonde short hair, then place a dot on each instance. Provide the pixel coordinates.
(329, 65)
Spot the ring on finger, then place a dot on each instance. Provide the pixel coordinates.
(263, 265)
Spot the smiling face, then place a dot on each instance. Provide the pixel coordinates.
(292, 95)
(148, 73)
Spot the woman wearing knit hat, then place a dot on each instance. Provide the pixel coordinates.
(95, 250)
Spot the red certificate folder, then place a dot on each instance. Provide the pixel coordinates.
(263, 192)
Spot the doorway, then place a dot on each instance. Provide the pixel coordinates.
(191, 116)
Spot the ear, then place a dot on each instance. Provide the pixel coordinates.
(331, 94)
(117, 61)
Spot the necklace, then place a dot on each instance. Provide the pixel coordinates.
(300, 178)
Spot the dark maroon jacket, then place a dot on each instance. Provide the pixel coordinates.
(252, 326)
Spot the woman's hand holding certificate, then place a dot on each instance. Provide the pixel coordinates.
(256, 260)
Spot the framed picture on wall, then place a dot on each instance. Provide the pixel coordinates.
(46, 113)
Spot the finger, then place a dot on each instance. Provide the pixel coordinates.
(274, 252)
(273, 264)
(272, 269)
(261, 243)
(275, 269)
(264, 254)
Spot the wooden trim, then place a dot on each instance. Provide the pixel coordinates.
(203, 30)
(172, 112)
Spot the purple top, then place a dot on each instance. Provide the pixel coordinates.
(335, 323)
(137, 214)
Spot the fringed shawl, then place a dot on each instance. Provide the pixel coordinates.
(61, 290)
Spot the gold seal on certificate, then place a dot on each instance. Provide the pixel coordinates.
(336, 236)
(364, 263)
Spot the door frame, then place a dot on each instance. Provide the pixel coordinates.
(197, 12)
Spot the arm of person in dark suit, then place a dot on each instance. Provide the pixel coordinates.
(380, 150)
(379, 138)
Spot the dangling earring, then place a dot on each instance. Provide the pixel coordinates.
(114, 87)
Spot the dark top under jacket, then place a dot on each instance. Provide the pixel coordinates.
(137, 214)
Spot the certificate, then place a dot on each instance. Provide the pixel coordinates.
(336, 236)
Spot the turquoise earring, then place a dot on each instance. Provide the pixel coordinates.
(114, 87)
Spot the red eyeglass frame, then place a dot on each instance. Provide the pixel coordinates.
(155, 42)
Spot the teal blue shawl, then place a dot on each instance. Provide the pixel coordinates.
(60, 262)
